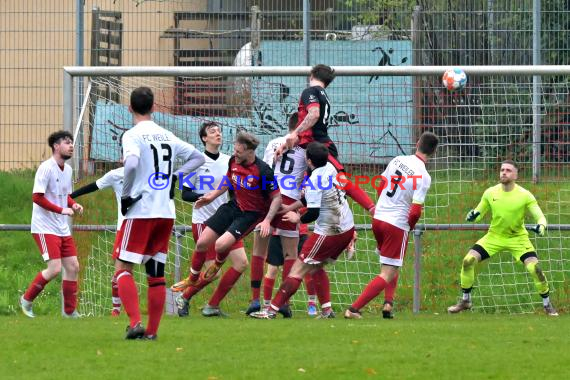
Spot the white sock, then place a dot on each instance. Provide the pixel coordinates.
(546, 301)
(467, 297)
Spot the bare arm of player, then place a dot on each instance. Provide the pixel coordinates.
(292, 207)
(265, 225)
(208, 198)
(310, 120)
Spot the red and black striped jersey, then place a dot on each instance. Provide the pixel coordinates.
(314, 96)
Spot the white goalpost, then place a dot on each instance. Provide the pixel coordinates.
(515, 112)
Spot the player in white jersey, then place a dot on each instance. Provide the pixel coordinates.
(207, 178)
(149, 153)
(50, 228)
(288, 170)
(113, 179)
(405, 183)
(334, 228)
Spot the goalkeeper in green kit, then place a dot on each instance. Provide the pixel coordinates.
(508, 203)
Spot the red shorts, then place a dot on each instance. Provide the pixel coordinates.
(198, 228)
(282, 228)
(139, 240)
(325, 249)
(55, 247)
(392, 242)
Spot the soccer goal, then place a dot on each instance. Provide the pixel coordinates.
(516, 112)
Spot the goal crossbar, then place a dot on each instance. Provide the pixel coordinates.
(238, 71)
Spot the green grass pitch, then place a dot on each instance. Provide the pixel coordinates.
(468, 346)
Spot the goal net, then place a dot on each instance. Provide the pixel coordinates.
(373, 119)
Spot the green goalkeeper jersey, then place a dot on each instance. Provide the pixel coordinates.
(508, 209)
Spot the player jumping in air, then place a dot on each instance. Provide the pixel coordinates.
(314, 113)
(508, 203)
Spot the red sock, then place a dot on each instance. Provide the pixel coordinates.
(226, 283)
(35, 287)
(310, 285)
(286, 290)
(198, 259)
(391, 289)
(115, 294)
(371, 291)
(322, 287)
(129, 295)
(257, 264)
(268, 284)
(359, 196)
(69, 290)
(287, 265)
(190, 291)
(156, 300)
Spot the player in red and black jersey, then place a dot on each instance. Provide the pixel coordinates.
(255, 202)
(314, 111)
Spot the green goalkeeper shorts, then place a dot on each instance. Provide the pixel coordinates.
(516, 246)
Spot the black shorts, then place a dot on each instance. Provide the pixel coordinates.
(229, 218)
(275, 255)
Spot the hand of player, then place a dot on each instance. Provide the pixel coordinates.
(291, 139)
(203, 201)
(472, 215)
(351, 249)
(279, 152)
(67, 211)
(78, 208)
(264, 228)
(539, 229)
(292, 217)
(127, 202)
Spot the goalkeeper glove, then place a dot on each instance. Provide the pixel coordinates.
(539, 229)
(127, 202)
(472, 215)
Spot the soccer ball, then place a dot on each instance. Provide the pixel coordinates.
(454, 79)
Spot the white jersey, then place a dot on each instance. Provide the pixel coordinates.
(289, 169)
(157, 150)
(207, 178)
(56, 186)
(114, 179)
(322, 191)
(407, 182)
